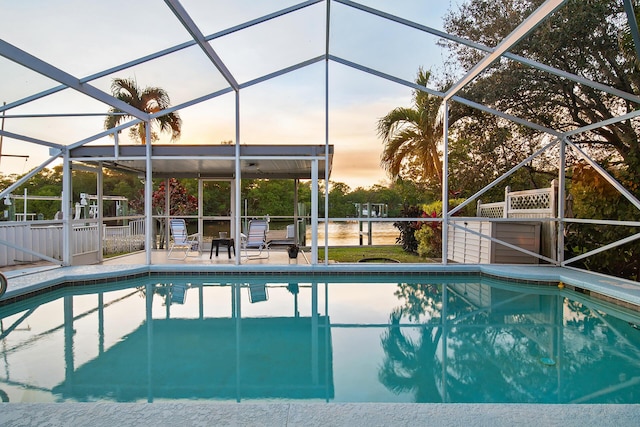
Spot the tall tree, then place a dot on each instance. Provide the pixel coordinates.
(411, 136)
(149, 100)
(626, 39)
(582, 38)
(589, 39)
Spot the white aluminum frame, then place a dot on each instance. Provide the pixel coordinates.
(15, 54)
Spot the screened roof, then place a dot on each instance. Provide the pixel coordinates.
(284, 75)
(317, 72)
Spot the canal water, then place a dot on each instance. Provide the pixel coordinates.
(347, 234)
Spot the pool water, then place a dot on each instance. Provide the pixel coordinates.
(332, 339)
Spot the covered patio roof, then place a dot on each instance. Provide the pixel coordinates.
(212, 161)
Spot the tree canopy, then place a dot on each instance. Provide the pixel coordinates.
(149, 100)
(575, 39)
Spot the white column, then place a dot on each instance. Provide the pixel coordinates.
(326, 136)
(148, 197)
(167, 212)
(232, 197)
(200, 212)
(66, 209)
(296, 238)
(445, 184)
(99, 204)
(314, 211)
(561, 198)
(238, 184)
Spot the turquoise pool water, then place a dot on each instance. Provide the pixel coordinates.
(333, 339)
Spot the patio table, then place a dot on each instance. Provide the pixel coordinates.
(229, 243)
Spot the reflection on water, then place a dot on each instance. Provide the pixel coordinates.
(381, 339)
(348, 233)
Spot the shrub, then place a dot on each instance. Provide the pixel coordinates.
(408, 228)
(429, 234)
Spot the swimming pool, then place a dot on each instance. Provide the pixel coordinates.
(335, 339)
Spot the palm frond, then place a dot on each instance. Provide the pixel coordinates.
(412, 135)
(151, 100)
(395, 120)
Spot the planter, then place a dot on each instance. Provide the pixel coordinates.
(293, 251)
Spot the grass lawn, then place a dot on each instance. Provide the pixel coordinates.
(356, 253)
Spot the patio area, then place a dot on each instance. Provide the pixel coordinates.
(277, 255)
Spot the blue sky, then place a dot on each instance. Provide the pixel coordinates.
(85, 37)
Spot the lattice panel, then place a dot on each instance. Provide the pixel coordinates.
(531, 201)
(492, 211)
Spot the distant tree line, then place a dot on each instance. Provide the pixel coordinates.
(273, 197)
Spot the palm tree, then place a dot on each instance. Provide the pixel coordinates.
(149, 100)
(411, 135)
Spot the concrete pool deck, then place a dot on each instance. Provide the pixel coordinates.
(23, 281)
(315, 414)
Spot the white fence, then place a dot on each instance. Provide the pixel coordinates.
(541, 203)
(45, 237)
(123, 239)
(538, 236)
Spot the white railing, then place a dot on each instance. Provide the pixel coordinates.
(42, 239)
(45, 237)
(122, 239)
(85, 239)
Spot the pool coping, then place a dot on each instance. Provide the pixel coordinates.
(316, 414)
(27, 282)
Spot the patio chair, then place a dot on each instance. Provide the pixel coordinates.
(256, 239)
(182, 241)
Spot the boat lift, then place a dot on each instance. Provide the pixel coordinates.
(369, 210)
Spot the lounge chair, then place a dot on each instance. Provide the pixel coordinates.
(256, 239)
(182, 240)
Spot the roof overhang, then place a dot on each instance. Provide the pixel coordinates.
(212, 161)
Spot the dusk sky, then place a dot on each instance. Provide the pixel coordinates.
(82, 38)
